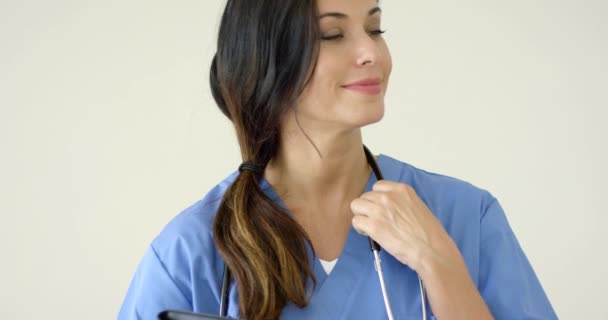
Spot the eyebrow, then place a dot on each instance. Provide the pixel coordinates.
(343, 16)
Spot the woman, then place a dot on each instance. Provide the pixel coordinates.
(298, 79)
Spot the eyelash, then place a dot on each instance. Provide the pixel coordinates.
(373, 33)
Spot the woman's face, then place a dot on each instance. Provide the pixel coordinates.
(351, 50)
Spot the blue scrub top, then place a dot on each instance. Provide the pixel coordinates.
(182, 269)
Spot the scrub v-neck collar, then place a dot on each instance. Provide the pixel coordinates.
(334, 289)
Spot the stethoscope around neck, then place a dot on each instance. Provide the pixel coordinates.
(374, 246)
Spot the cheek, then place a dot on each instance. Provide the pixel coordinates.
(326, 75)
(324, 85)
(314, 100)
(387, 65)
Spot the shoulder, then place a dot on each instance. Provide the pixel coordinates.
(445, 195)
(458, 205)
(190, 232)
(181, 269)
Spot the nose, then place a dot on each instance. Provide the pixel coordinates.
(367, 51)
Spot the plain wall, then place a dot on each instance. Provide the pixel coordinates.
(108, 130)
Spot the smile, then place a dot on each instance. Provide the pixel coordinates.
(367, 86)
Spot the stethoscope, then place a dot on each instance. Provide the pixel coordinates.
(375, 247)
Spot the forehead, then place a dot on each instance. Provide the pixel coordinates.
(349, 7)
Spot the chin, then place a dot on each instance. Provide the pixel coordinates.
(368, 115)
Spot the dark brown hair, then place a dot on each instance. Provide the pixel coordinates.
(266, 52)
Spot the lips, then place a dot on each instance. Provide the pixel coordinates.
(366, 86)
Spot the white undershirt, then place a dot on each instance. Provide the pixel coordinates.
(328, 265)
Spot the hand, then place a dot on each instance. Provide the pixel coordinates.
(394, 216)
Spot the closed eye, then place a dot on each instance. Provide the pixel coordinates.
(332, 37)
(377, 32)
(374, 33)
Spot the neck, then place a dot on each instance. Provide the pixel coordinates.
(321, 169)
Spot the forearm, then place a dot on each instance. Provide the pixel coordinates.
(450, 289)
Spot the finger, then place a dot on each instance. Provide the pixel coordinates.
(364, 225)
(384, 185)
(365, 207)
(381, 198)
(390, 186)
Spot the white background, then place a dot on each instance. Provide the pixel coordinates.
(108, 130)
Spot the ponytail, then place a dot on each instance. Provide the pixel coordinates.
(264, 249)
(266, 54)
